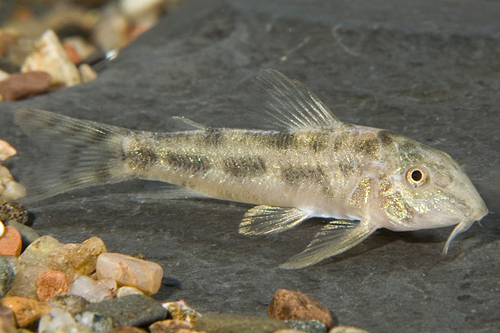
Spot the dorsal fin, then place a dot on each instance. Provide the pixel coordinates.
(190, 123)
(290, 104)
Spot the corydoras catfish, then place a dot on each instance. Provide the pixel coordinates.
(310, 165)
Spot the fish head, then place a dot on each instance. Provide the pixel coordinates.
(424, 188)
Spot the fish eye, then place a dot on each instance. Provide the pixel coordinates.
(416, 177)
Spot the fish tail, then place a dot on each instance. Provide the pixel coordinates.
(81, 153)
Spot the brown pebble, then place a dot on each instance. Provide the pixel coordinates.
(6, 326)
(169, 326)
(238, 324)
(125, 329)
(11, 242)
(49, 284)
(7, 318)
(289, 305)
(27, 311)
(21, 85)
(346, 329)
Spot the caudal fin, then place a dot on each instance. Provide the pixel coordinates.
(80, 153)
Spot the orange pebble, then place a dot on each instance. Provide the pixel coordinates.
(49, 284)
(71, 52)
(11, 242)
(27, 311)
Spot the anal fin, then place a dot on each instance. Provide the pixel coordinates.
(333, 239)
(264, 219)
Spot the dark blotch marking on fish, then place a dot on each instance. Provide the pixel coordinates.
(297, 175)
(189, 164)
(213, 136)
(386, 137)
(141, 158)
(319, 142)
(369, 146)
(282, 141)
(340, 141)
(245, 166)
(346, 167)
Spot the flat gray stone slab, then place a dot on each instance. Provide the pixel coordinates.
(426, 69)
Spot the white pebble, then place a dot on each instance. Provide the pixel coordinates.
(92, 290)
(58, 320)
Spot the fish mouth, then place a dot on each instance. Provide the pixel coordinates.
(463, 227)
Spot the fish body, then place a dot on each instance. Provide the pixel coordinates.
(310, 165)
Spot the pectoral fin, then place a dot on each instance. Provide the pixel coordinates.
(264, 219)
(334, 238)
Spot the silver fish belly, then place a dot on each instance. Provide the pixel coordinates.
(311, 165)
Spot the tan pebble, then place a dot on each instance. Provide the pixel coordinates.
(6, 150)
(347, 329)
(37, 250)
(127, 290)
(125, 329)
(49, 284)
(20, 85)
(9, 189)
(49, 56)
(3, 75)
(129, 271)
(77, 259)
(47, 253)
(11, 242)
(2, 228)
(27, 311)
(180, 311)
(87, 73)
(169, 326)
(111, 32)
(287, 305)
(137, 9)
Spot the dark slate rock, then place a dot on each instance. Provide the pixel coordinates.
(131, 310)
(6, 276)
(310, 326)
(427, 69)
